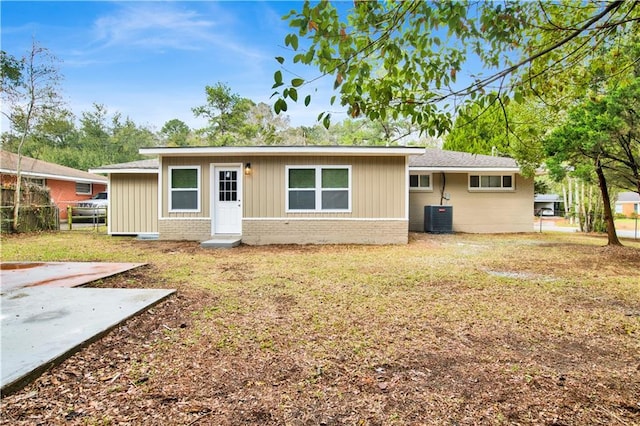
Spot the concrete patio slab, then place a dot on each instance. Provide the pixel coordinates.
(42, 326)
(44, 319)
(57, 274)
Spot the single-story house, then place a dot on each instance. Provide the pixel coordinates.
(66, 185)
(628, 203)
(487, 194)
(312, 194)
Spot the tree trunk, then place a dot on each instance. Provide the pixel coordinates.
(612, 237)
(565, 200)
(17, 196)
(570, 198)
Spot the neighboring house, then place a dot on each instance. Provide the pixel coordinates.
(547, 205)
(487, 194)
(628, 203)
(312, 194)
(66, 186)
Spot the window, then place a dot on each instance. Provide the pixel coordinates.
(227, 185)
(420, 181)
(318, 188)
(184, 189)
(36, 182)
(83, 188)
(490, 182)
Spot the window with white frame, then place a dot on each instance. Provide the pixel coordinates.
(36, 182)
(420, 181)
(83, 188)
(184, 188)
(491, 182)
(318, 188)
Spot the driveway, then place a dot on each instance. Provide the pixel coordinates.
(550, 226)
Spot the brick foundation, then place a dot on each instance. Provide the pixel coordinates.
(191, 230)
(260, 232)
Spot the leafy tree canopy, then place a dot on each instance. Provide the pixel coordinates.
(484, 134)
(227, 114)
(175, 133)
(604, 130)
(411, 58)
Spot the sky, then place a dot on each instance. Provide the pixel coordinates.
(151, 61)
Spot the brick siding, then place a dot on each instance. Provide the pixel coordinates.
(258, 232)
(191, 230)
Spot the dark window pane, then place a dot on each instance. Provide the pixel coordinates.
(425, 181)
(302, 178)
(83, 188)
(507, 182)
(302, 200)
(184, 178)
(184, 200)
(335, 200)
(474, 181)
(495, 181)
(335, 178)
(413, 181)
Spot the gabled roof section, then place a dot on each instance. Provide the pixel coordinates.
(628, 197)
(31, 167)
(140, 166)
(434, 159)
(328, 150)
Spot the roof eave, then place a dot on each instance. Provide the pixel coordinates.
(270, 151)
(56, 177)
(129, 170)
(465, 169)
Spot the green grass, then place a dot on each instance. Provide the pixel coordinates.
(448, 328)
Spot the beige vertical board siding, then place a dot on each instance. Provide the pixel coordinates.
(477, 211)
(134, 203)
(377, 188)
(205, 184)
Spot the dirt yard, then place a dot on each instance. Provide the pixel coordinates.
(539, 329)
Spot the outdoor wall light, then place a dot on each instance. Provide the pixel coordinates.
(247, 169)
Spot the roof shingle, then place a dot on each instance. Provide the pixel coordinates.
(38, 168)
(439, 158)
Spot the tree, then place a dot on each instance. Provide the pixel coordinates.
(601, 136)
(176, 133)
(483, 134)
(265, 126)
(227, 114)
(515, 130)
(421, 60)
(29, 90)
(616, 118)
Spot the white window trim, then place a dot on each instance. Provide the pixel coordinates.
(421, 188)
(492, 189)
(84, 193)
(171, 190)
(318, 189)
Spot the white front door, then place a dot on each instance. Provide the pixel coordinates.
(227, 200)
